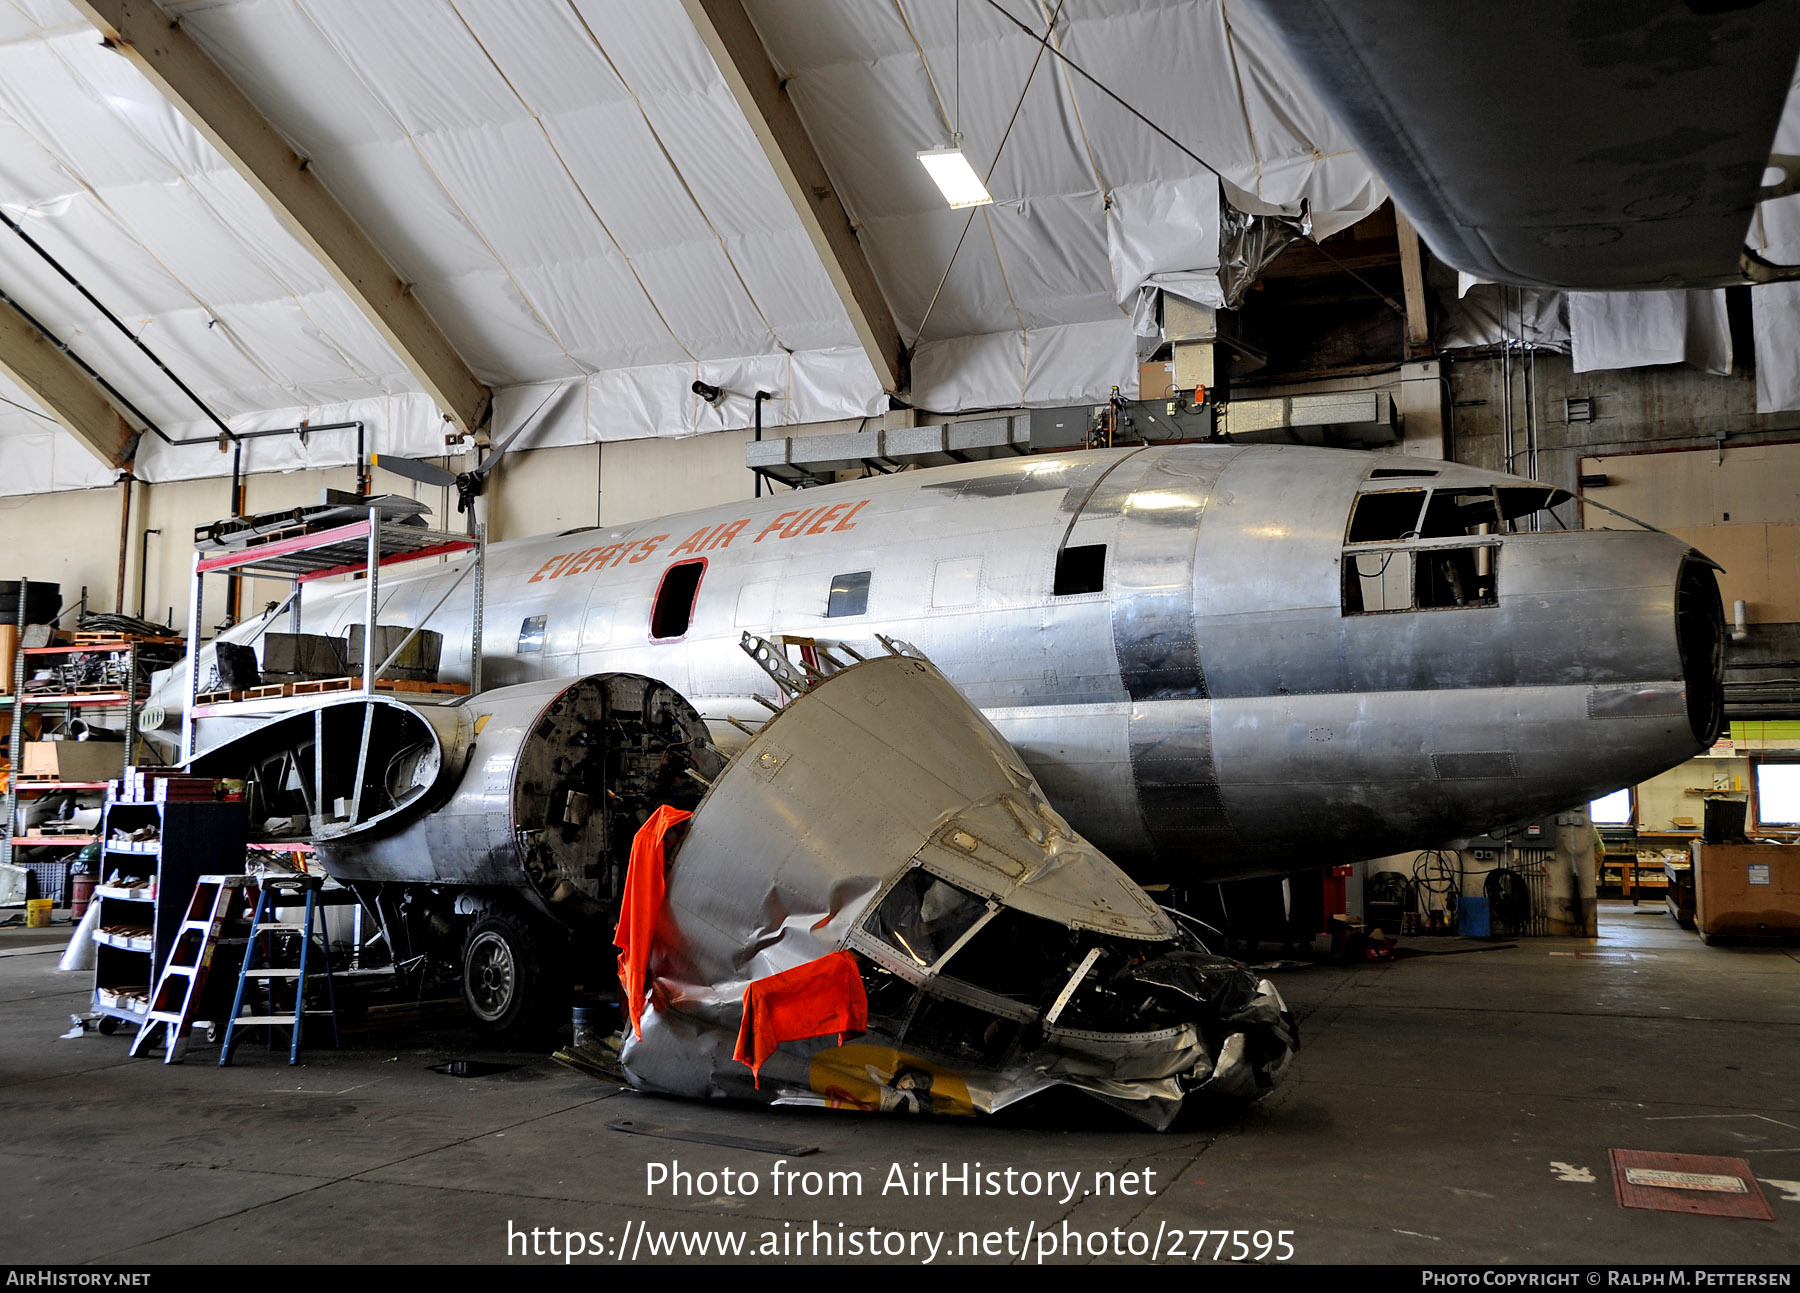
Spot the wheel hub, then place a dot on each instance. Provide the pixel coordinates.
(492, 976)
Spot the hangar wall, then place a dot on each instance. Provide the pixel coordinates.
(71, 537)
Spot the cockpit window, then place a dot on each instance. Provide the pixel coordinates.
(1519, 501)
(922, 916)
(1422, 579)
(1451, 577)
(1386, 516)
(1377, 581)
(1456, 512)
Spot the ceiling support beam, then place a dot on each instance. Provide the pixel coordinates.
(1412, 278)
(198, 87)
(66, 392)
(758, 87)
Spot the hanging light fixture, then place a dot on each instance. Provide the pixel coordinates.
(953, 175)
(948, 168)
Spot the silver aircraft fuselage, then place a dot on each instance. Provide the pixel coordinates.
(1218, 660)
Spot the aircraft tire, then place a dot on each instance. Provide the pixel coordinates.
(508, 982)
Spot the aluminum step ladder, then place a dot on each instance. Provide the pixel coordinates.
(216, 918)
(267, 930)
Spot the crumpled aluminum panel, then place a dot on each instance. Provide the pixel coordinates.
(880, 772)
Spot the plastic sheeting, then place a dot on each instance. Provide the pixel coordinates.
(1049, 367)
(1775, 307)
(1165, 236)
(36, 455)
(1635, 329)
(576, 198)
(1091, 205)
(1489, 314)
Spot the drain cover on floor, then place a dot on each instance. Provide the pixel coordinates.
(1708, 1187)
(471, 1068)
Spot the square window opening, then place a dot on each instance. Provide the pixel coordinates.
(531, 634)
(1455, 577)
(1081, 570)
(1778, 794)
(849, 595)
(1377, 581)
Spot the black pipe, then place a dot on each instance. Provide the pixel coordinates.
(144, 570)
(760, 397)
(120, 325)
(238, 446)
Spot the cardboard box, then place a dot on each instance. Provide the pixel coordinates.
(1157, 381)
(73, 761)
(1747, 890)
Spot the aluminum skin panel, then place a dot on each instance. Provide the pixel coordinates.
(1400, 770)
(1151, 571)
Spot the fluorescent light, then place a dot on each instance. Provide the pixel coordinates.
(957, 180)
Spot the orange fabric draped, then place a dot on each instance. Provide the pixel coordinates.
(811, 1000)
(643, 901)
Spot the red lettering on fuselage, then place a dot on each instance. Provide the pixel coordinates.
(693, 541)
(727, 533)
(789, 525)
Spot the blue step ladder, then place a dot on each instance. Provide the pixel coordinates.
(267, 931)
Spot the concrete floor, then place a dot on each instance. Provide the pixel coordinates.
(1444, 1109)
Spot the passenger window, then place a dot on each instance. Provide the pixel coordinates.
(673, 609)
(1455, 512)
(1450, 577)
(849, 595)
(1386, 516)
(531, 634)
(1080, 570)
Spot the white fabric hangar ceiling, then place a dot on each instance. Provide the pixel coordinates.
(576, 198)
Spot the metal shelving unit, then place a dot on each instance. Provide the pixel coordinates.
(24, 703)
(366, 547)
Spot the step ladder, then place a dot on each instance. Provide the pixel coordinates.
(266, 930)
(215, 919)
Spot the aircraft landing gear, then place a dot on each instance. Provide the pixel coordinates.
(509, 982)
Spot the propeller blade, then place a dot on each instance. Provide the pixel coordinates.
(424, 472)
(493, 459)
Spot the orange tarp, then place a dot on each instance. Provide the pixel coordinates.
(811, 1000)
(644, 889)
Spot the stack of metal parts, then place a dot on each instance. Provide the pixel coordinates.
(107, 669)
(235, 532)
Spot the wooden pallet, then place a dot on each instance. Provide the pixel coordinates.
(269, 689)
(429, 688)
(322, 685)
(319, 686)
(124, 640)
(217, 697)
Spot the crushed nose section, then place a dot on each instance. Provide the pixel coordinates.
(875, 908)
